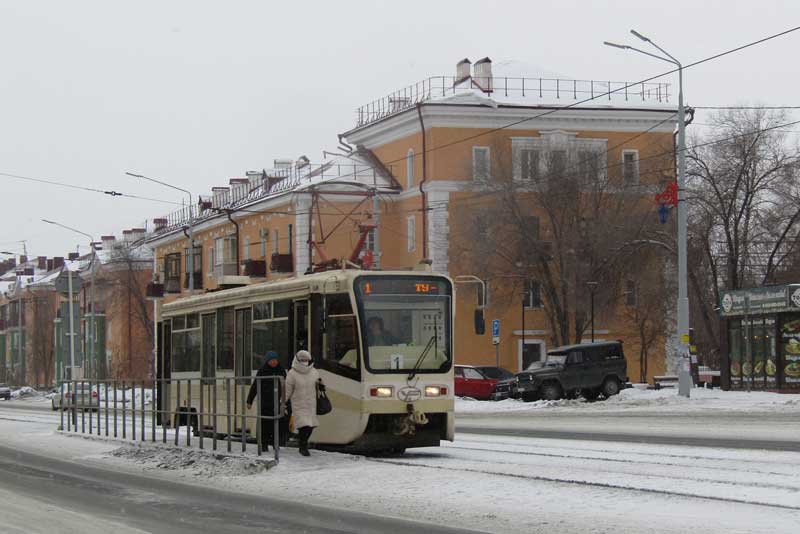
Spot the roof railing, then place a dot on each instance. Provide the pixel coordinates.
(532, 89)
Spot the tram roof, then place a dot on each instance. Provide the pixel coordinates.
(296, 286)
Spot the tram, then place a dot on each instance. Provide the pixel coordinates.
(381, 341)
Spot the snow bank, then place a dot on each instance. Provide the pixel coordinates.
(633, 399)
(200, 463)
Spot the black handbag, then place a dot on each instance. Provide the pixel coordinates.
(324, 405)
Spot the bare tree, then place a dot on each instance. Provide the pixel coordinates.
(744, 209)
(127, 276)
(560, 218)
(41, 336)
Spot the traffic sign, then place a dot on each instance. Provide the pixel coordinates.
(496, 331)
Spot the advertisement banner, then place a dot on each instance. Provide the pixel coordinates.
(790, 341)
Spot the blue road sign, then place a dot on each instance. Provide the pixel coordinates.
(496, 328)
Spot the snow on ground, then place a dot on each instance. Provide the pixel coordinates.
(494, 483)
(633, 399)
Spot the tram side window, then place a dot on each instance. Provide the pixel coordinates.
(209, 345)
(339, 341)
(271, 332)
(243, 344)
(186, 344)
(225, 334)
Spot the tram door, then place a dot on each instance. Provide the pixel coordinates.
(301, 327)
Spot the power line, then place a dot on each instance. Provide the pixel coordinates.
(84, 188)
(748, 107)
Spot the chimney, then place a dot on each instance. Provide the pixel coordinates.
(159, 224)
(58, 262)
(138, 233)
(50, 265)
(283, 163)
(23, 259)
(41, 262)
(483, 74)
(219, 196)
(108, 241)
(126, 235)
(204, 203)
(462, 70)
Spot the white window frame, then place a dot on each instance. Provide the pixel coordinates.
(488, 154)
(276, 239)
(411, 233)
(636, 173)
(528, 304)
(552, 140)
(410, 168)
(246, 249)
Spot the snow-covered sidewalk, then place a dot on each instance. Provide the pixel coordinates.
(635, 399)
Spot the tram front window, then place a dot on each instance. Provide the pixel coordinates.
(405, 324)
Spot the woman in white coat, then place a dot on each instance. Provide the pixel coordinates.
(301, 390)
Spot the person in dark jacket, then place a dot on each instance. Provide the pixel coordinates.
(270, 367)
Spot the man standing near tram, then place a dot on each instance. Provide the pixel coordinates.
(270, 368)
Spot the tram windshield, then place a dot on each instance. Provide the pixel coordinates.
(405, 323)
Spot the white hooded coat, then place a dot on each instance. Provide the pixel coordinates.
(301, 389)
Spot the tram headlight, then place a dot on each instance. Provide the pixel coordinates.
(435, 391)
(381, 391)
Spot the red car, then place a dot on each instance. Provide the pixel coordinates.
(483, 382)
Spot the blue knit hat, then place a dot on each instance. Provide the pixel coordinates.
(271, 355)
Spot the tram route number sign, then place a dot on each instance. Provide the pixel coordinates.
(496, 332)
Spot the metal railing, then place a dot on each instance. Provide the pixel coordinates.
(503, 87)
(121, 408)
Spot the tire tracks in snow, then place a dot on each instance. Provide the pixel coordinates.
(605, 485)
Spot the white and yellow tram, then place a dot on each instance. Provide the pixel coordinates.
(382, 342)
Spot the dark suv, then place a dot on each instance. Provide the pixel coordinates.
(588, 369)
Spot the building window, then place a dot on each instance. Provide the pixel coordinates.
(530, 225)
(264, 237)
(225, 256)
(533, 294)
(410, 168)
(481, 166)
(290, 233)
(210, 270)
(197, 265)
(630, 167)
(411, 233)
(558, 163)
(276, 236)
(529, 164)
(172, 273)
(246, 250)
(369, 244)
(630, 293)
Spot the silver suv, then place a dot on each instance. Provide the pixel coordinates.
(76, 395)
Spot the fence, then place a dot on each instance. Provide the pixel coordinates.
(119, 408)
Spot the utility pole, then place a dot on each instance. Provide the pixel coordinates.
(682, 344)
(592, 287)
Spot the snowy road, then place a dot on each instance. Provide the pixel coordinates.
(495, 483)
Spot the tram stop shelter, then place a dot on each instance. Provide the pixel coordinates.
(763, 338)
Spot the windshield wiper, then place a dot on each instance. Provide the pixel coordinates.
(421, 358)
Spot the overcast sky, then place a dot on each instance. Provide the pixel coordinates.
(198, 92)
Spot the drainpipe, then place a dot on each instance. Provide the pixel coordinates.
(237, 239)
(423, 195)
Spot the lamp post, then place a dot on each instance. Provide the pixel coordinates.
(92, 330)
(592, 288)
(190, 257)
(682, 347)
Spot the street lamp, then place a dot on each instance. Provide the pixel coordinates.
(682, 347)
(592, 288)
(92, 330)
(190, 258)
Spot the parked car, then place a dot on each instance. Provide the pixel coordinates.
(78, 396)
(588, 369)
(483, 382)
(5, 392)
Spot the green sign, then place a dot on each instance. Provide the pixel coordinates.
(760, 300)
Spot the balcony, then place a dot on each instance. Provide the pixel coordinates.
(254, 268)
(226, 274)
(282, 263)
(515, 91)
(198, 280)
